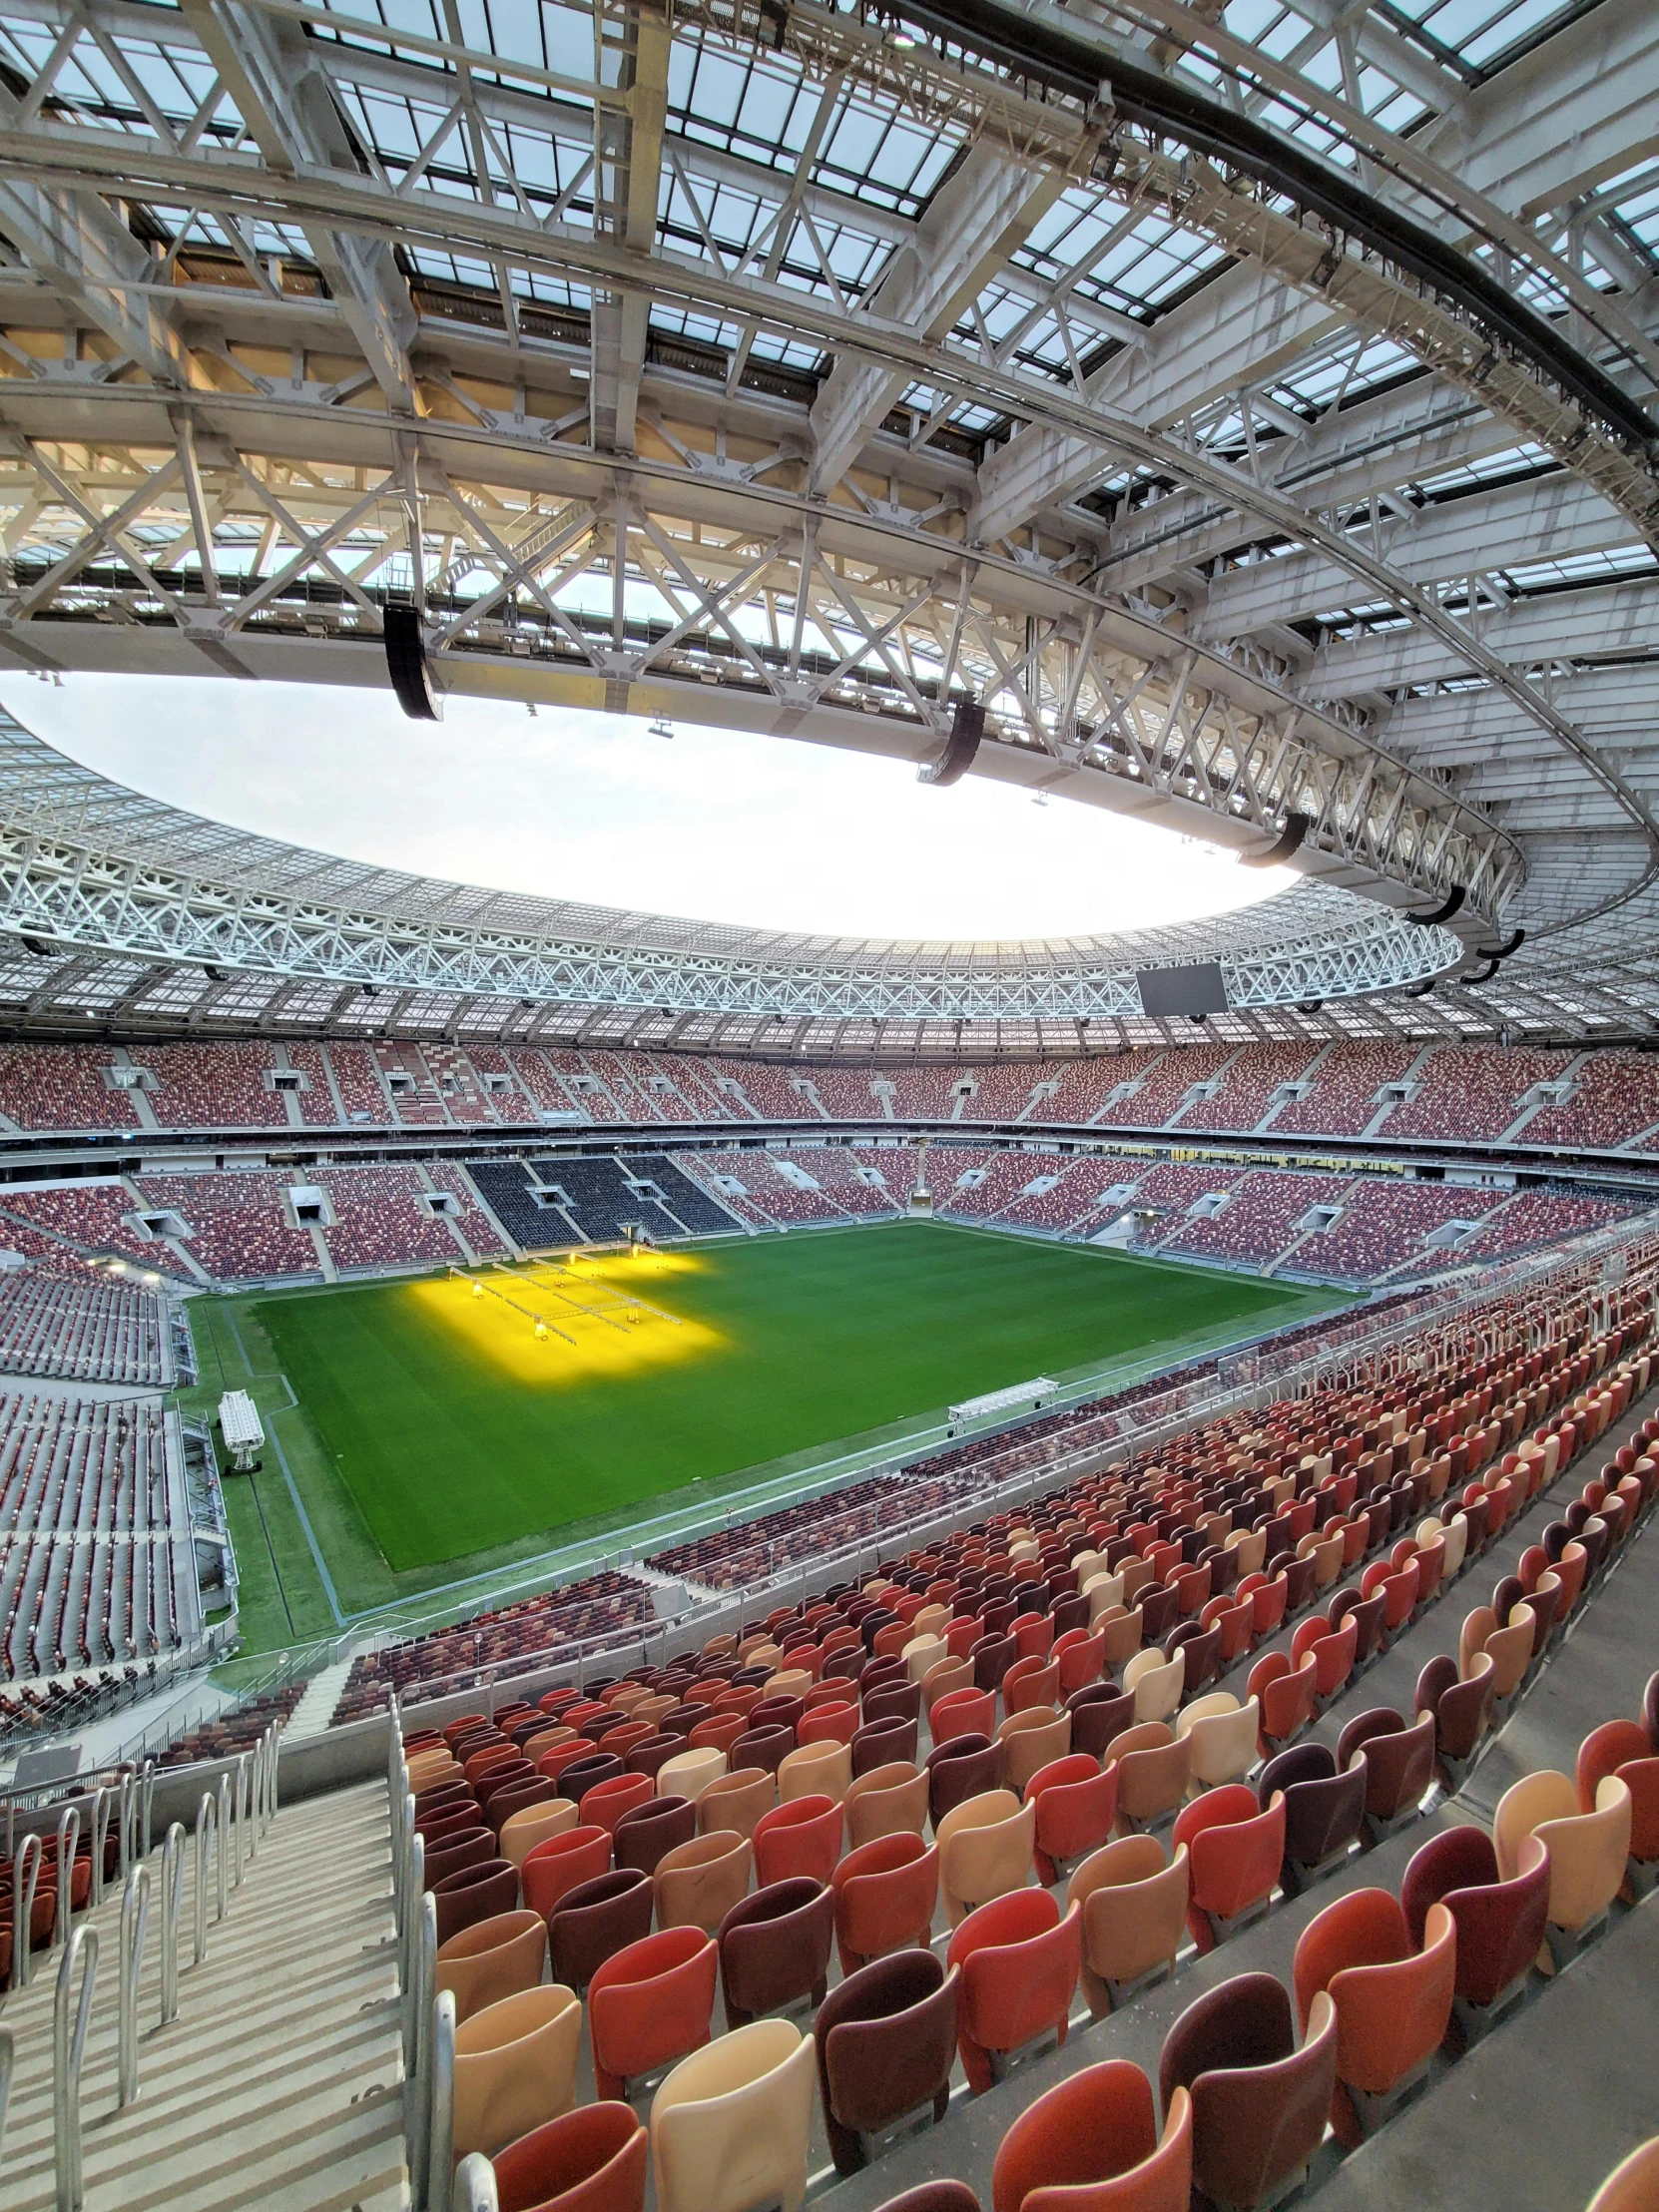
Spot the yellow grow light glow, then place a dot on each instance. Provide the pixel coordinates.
(551, 1324)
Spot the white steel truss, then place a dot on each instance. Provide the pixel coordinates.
(753, 364)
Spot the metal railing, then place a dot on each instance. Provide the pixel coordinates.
(68, 2045)
(135, 1921)
(230, 1818)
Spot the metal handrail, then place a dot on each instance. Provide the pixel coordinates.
(419, 2120)
(207, 1839)
(222, 1849)
(474, 2187)
(135, 1921)
(239, 1806)
(26, 1879)
(68, 1843)
(440, 2153)
(102, 1806)
(68, 2050)
(173, 1899)
(8, 2066)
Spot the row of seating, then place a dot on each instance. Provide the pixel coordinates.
(1455, 1093)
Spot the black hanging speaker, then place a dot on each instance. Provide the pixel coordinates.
(1288, 841)
(966, 729)
(411, 677)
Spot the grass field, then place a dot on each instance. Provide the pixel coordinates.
(435, 1434)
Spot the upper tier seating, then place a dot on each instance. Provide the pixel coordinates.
(1463, 1093)
(1248, 1086)
(1615, 1099)
(89, 1328)
(210, 1086)
(1342, 1101)
(1471, 1094)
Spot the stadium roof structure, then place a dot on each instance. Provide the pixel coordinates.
(119, 911)
(1253, 408)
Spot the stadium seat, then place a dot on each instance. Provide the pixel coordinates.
(651, 2003)
(1076, 1801)
(534, 1824)
(1392, 1998)
(1622, 1748)
(1020, 1962)
(1154, 1768)
(799, 1836)
(645, 1834)
(729, 2124)
(1500, 1925)
(515, 2068)
(1033, 1737)
(888, 1801)
(688, 1774)
(1133, 1905)
(1587, 1853)
(886, 2040)
(559, 1863)
(885, 1893)
(595, 1921)
(737, 1801)
(1400, 1765)
(1221, 1737)
(774, 1948)
(698, 1882)
(595, 2159)
(818, 1770)
(1325, 1810)
(472, 1894)
(1259, 2104)
(985, 1846)
(1091, 2144)
(492, 1960)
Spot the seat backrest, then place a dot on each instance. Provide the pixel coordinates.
(1587, 1855)
(729, 2124)
(1096, 2128)
(886, 2040)
(1523, 1808)
(775, 1947)
(816, 1770)
(888, 1800)
(594, 2159)
(1259, 2103)
(515, 2068)
(1134, 1904)
(698, 1882)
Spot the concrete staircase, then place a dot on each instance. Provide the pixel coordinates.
(280, 2083)
(315, 1710)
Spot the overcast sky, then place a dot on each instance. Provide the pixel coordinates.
(571, 805)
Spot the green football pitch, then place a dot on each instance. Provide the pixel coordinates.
(458, 1432)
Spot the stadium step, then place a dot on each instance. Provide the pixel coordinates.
(279, 2084)
(316, 1711)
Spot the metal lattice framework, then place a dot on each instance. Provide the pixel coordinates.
(85, 864)
(807, 371)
